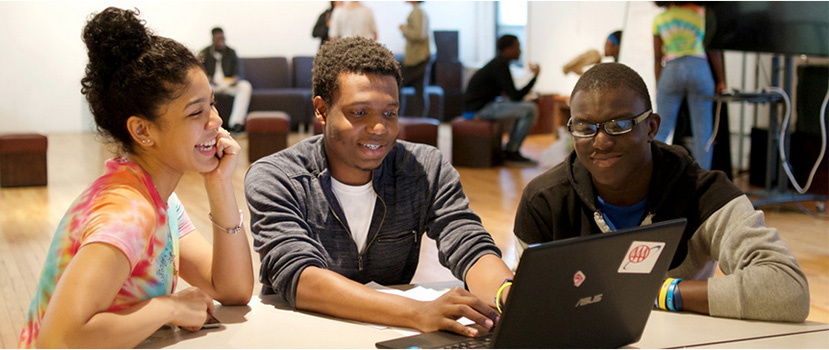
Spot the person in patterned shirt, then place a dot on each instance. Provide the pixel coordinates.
(110, 274)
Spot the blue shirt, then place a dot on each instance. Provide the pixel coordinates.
(618, 218)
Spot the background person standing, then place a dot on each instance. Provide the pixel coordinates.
(678, 35)
(352, 19)
(416, 32)
(323, 23)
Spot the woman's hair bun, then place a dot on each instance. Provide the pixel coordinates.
(115, 37)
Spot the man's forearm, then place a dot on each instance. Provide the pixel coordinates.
(330, 293)
(327, 292)
(486, 276)
(694, 296)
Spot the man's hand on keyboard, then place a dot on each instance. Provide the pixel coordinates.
(443, 313)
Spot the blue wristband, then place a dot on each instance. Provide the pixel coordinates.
(677, 299)
(672, 291)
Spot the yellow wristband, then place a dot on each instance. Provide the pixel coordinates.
(663, 293)
(507, 283)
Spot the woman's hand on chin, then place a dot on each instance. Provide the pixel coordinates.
(227, 151)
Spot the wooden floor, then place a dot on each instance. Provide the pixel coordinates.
(29, 217)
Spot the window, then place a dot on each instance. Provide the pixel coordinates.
(511, 18)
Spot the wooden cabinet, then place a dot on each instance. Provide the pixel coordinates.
(553, 111)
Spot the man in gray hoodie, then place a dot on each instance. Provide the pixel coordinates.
(350, 207)
(620, 177)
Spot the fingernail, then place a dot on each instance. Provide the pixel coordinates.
(488, 324)
(472, 331)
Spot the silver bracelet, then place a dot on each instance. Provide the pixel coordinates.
(232, 230)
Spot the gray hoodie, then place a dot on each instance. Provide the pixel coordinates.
(296, 220)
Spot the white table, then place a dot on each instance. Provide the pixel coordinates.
(670, 330)
(261, 324)
(809, 340)
(264, 324)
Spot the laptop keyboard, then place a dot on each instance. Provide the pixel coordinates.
(482, 342)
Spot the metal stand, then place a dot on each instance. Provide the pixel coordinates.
(780, 193)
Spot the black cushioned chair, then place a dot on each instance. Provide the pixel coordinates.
(273, 89)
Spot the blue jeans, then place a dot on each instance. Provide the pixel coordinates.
(689, 77)
(525, 114)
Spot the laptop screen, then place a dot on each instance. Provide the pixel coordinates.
(586, 292)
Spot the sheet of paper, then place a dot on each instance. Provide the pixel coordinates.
(417, 293)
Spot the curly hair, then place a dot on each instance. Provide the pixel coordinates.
(609, 76)
(350, 55)
(131, 72)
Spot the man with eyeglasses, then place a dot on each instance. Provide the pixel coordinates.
(619, 177)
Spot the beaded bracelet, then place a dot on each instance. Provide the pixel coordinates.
(507, 282)
(232, 230)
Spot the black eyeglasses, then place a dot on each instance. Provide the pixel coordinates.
(612, 127)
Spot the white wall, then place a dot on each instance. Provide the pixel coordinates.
(637, 42)
(41, 67)
(43, 57)
(473, 19)
(560, 31)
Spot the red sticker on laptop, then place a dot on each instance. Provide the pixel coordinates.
(641, 257)
(578, 278)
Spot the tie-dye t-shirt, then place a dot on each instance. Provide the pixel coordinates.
(121, 208)
(682, 29)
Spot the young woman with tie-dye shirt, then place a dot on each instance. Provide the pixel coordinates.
(111, 271)
(678, 35)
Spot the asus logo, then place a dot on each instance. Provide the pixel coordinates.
(589, 300)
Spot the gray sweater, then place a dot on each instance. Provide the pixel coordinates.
(762, 278)
(296, 220)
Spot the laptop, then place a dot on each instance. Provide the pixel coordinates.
(586, 292)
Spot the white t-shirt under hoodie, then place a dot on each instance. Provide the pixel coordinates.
(357, 203)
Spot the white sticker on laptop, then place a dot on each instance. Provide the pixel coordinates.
(641, 257)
